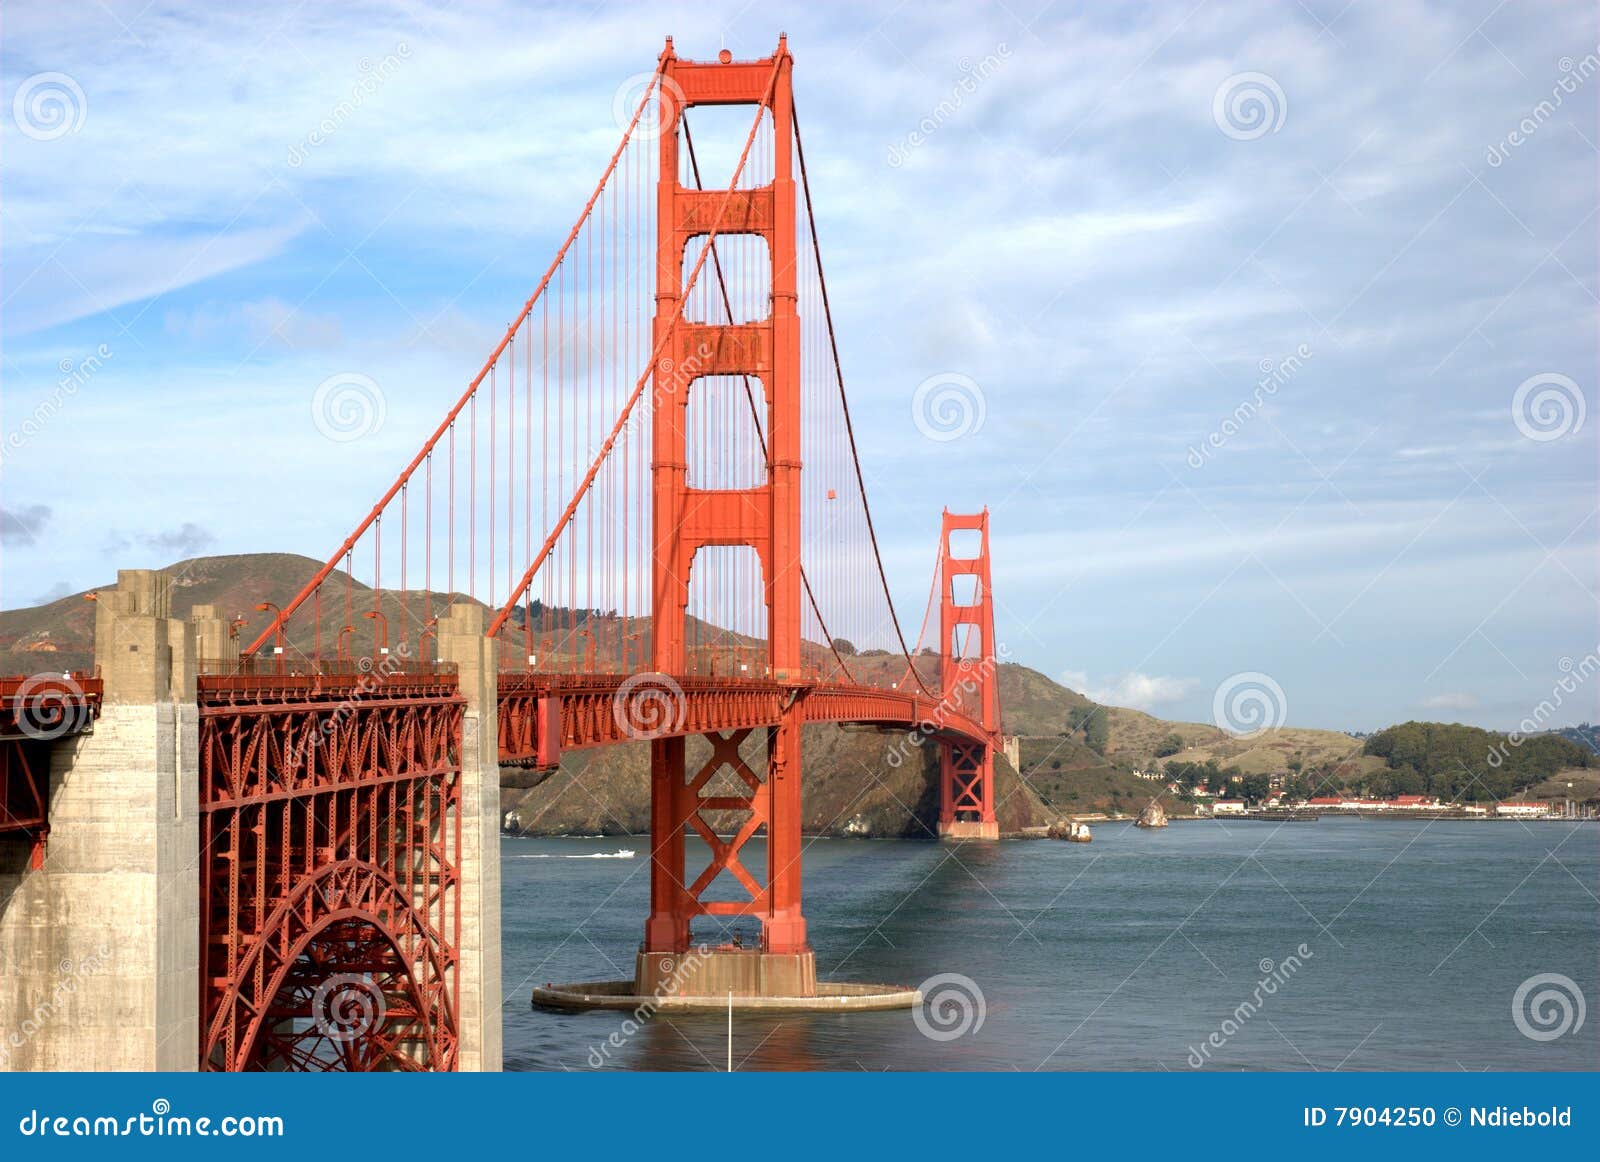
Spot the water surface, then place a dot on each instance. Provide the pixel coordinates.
(1127, 953)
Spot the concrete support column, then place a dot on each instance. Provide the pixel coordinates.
(212, 642)
(1013, 750)
(99, 949)
(461, 640)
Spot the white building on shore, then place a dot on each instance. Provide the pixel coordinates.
(1522, 809)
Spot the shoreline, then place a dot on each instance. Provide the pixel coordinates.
(1039, 832)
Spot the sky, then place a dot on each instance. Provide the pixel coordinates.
(1267, 332)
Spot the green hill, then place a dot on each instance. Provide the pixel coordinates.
(1465, 763)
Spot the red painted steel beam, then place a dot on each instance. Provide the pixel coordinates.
(588, 707)
(330, 829)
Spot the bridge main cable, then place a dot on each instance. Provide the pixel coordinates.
(372, 518)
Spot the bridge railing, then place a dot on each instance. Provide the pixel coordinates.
(280, 680)
(50, 704)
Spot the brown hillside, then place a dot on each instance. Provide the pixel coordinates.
(851, 785)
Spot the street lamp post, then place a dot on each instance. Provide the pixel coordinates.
(277, 626)
(383, 629)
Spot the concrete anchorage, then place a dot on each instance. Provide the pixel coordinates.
(99, 949)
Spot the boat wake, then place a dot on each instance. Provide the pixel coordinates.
(624, 853)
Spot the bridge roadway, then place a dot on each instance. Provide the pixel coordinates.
(541, 715)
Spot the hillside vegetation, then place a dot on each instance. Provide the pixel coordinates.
(856, 782)
(1464, 763)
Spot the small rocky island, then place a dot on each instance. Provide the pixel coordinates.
(1152, 816)
(1069, 830)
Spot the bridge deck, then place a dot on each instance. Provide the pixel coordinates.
(542, 715)
(588, 710)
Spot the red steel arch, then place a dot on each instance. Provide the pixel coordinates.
(395, 1010)
(330, 836)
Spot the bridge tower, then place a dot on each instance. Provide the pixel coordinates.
(970, 679)
(764, 517)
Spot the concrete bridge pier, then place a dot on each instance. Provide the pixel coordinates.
(461, 640)
(99, 949)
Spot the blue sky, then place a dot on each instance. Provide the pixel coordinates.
(1109, 219)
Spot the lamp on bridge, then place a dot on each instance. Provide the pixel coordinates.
(429, 630)
(277, 624)
(343, 630)
(383, 629)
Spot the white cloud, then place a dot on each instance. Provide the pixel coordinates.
(1134, 689)
(89, 274)
(1448, 701)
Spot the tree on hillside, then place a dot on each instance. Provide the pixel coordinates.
(1091, 721)
(1096, 733)
(1170, 745)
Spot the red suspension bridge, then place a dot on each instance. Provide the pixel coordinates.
(644, 519)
